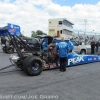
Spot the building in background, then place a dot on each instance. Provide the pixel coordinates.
(60, 27)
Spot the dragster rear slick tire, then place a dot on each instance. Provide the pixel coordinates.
(32, 65)
(10, 50)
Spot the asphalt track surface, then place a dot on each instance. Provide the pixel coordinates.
(77, 83)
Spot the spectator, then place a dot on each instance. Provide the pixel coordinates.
(97, 46)
(92, 46)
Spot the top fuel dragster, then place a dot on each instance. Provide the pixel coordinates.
(33, 63)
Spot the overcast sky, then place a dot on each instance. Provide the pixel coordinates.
(32, 15)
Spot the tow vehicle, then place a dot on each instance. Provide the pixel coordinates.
(34, 63)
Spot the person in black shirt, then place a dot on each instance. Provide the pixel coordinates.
(92, 46)
(97, 46)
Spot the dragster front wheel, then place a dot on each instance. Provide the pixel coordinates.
(4, 49)
(19, 63)
(10, 50)
(32, 65)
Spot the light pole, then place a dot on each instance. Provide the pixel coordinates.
(85, 20)
(93, 35)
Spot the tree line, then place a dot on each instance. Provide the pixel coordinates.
(38, 32)
(34, 33)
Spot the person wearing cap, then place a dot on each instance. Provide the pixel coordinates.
(62, 49)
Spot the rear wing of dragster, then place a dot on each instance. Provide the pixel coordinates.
(13, 32)
(10, 31)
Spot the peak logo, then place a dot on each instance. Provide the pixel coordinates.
(75, 60)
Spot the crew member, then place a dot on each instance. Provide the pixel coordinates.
(44, 49)
(62, 49)
(70, 46)
(44, 45)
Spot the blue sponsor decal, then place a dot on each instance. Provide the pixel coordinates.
(75, 60)
(14, 29)
(89, 59)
